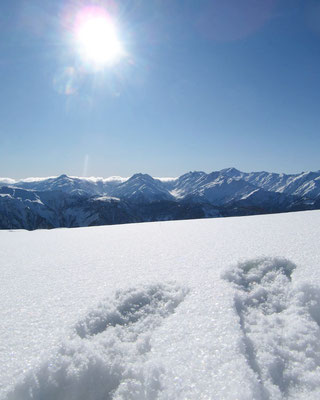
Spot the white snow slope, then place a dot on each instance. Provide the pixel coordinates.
(203, 309)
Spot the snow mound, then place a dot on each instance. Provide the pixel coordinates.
(106, 355)
(280, 325)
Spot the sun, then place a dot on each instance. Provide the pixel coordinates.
(97, 38)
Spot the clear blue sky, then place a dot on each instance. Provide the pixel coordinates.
(205, 84)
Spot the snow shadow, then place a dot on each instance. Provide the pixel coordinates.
(280, 324)
(106, 357)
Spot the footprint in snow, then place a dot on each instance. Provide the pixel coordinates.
(106, 356)
(132, 311)
(280, 324)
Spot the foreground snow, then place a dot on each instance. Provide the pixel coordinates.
(203, 309)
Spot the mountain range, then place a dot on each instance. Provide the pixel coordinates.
(66, 201)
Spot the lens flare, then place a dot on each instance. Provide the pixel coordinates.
(97, 38)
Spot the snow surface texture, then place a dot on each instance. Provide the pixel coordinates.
(106, 355)
(280, 325)
(219, 309)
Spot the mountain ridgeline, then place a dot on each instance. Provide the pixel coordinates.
(66, 201)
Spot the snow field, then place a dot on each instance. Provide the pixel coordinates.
(204, 309)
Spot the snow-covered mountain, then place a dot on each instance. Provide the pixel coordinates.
(29, 209)
(304, 184)
(67, 184)
(141, 188)
(22, 208)
(197, 183)
(72, 201)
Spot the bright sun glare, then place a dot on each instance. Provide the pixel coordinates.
(97, 38)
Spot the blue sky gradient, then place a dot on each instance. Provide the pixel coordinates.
(205, 85)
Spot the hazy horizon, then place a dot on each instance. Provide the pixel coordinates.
(144, 172)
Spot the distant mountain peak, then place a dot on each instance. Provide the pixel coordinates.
(231, 171)
(192, 174)
(141, 176)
